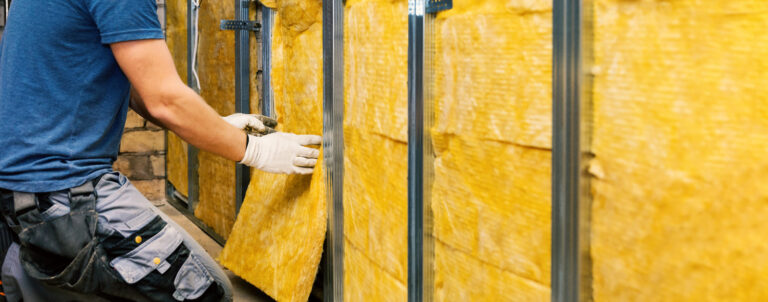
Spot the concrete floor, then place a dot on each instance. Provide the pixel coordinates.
(244, 292)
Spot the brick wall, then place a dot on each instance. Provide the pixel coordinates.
(142, 156)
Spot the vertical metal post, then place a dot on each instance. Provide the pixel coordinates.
(242, 92)
(420, 152)
(192, 160)
(567, 81)
(267, 99)
(333, 144)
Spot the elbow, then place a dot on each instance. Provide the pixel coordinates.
(165, 107)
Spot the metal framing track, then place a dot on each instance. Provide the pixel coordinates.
(333, 145)
(420, 152)
(568, 208)
(193, 187)
(267, 97)
(242, 92)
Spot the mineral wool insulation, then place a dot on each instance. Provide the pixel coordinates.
(215, 67)
(376, 150)
(277, 241)
(681, 145)
(492, 139)
(492, 136)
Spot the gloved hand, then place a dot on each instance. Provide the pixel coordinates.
(282, 153)
(252, 123)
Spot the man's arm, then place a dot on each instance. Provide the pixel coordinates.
(165, 100)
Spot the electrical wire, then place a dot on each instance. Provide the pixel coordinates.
(195, 17)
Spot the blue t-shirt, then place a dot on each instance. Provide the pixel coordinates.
(63, 97)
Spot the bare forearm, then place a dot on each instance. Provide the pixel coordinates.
(165, 100)
(186, 114)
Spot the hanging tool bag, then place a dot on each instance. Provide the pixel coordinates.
(63, 251)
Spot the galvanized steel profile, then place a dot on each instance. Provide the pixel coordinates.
(242, 92)
(567, 206)
(420, 152)
(192, 160)
(333, 145)
(267, 97)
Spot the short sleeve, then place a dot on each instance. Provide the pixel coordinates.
(125, 20)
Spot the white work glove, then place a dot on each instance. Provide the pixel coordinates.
(283, 153)
(252, 123)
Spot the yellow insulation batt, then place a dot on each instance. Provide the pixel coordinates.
(176, 37)
(681, 142)
(216, 68)
(492, 138)
(376, 150)
(277, 240)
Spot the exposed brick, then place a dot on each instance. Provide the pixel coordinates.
(153, 190)
(136, 167)
(143, 141)
(158, 165)
(134, 120)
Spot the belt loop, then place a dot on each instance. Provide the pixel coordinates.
(83, 197)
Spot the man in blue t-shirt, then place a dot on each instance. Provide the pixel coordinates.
(66, 71)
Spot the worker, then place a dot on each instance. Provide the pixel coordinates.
(82, 232)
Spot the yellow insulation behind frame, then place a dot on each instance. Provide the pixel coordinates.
(216, 67)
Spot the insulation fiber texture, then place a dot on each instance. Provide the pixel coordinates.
(277, 240)
(681, 144)
(492, 140)
(176, 38)
(376, 150)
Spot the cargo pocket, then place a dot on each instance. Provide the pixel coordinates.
(156, 262)
(150, 254)
(192, 280)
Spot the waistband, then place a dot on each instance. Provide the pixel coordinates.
(13, 203)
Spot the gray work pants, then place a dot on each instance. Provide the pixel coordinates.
(151, 249)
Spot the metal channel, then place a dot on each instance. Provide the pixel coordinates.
(566, 153)
(192, 160)
(242, 92)
(267, 96)
(333, 145)
(420, 151)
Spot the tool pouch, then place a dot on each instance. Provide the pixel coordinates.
(62, 251)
